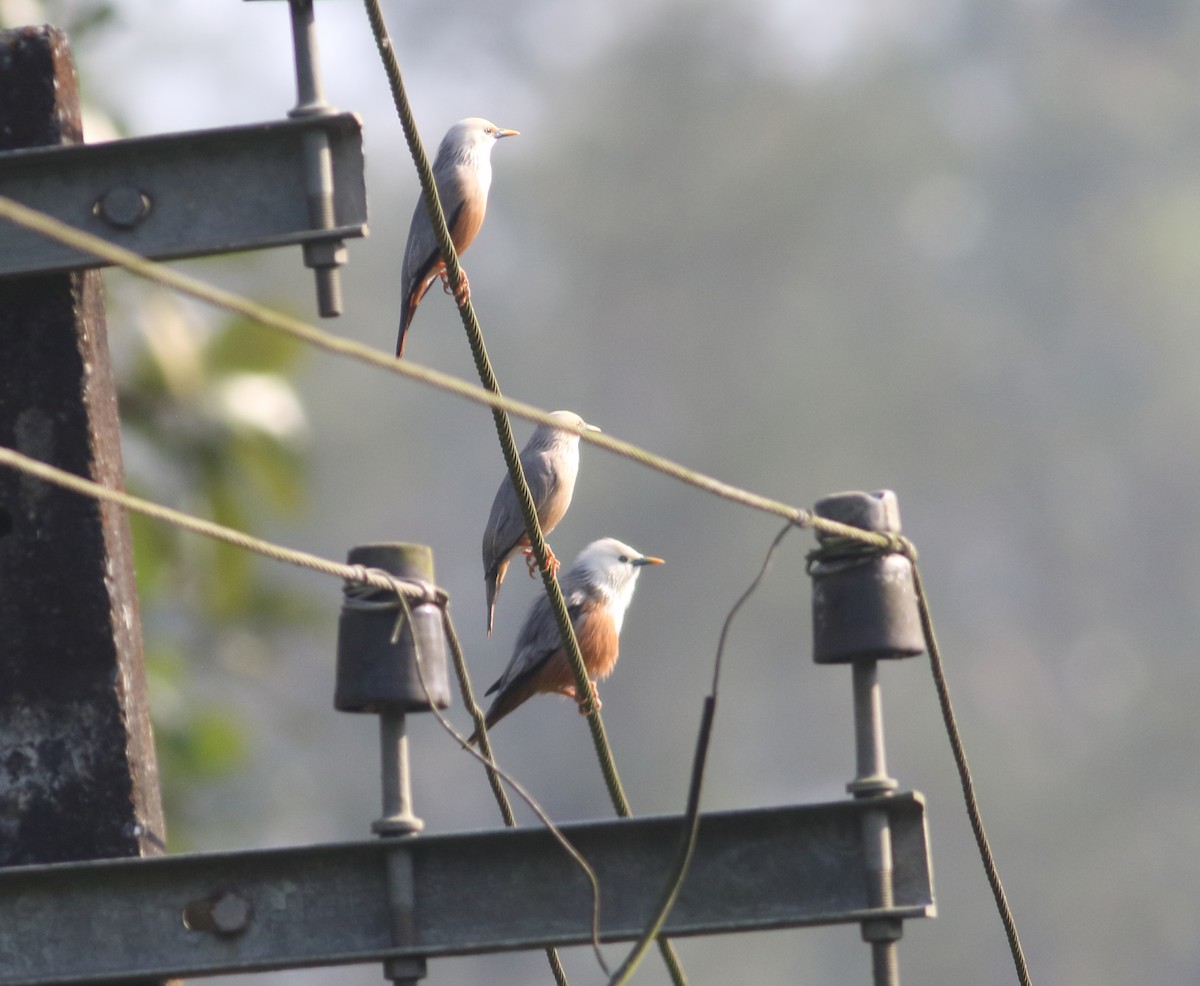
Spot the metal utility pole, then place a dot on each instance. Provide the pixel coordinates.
(78, 775)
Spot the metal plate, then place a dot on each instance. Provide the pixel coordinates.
(182, 195)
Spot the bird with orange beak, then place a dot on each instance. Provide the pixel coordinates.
(462, 171)
(597, 590)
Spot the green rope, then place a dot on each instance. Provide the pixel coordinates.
(476, 713)
(488, 379)
(508, 444)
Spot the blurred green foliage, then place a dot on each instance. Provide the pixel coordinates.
(212, 425)
(79, 18)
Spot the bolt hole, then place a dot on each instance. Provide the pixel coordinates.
(225, 913)
(196, 916)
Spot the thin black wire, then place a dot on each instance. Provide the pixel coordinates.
(477, 718)
(495, 771)
(691, 818)
(965, 778)
(485, 747)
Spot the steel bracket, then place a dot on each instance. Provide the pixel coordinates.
(184, 195)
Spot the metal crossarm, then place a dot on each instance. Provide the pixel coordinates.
(184, 195)
(474, 892)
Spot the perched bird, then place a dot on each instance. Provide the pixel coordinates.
(597, 591)
(550, 462)
(462, 171)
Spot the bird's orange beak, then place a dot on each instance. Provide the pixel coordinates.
(648, 560)
(507, 133)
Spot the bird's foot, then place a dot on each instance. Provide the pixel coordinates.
(463, 294)
(569, 692)
(552, 563)
(583, 705)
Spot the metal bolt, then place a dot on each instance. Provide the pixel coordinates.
(325, 257)
(224, 913)
(398, 817)
(123, 206)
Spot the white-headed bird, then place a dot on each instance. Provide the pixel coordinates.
(597, 590)
(550, 461)
(462, 171)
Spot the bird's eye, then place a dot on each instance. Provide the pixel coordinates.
(489, 130)
(624, 558)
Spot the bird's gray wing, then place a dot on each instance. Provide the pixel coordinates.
(421, 250)
(504, 527)
(416, 270)
(506, 523)
(538, 640)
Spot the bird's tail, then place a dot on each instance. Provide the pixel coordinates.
(492, 582)
(489, 720)
(505, 702)
(409, 307)
(405, 321)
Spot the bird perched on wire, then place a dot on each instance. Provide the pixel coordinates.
(597, 590)
(550, 462)
(462, 171)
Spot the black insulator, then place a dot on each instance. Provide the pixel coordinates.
(373, 673)
(864, 601)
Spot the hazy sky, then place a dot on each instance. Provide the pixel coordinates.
(936, 246)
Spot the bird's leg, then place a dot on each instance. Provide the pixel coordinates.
(595, 696)
(463, 294)
(552, 563)
(569, 692)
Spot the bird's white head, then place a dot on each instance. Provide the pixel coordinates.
(567, 428)
(612, 568)
(470, 141)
